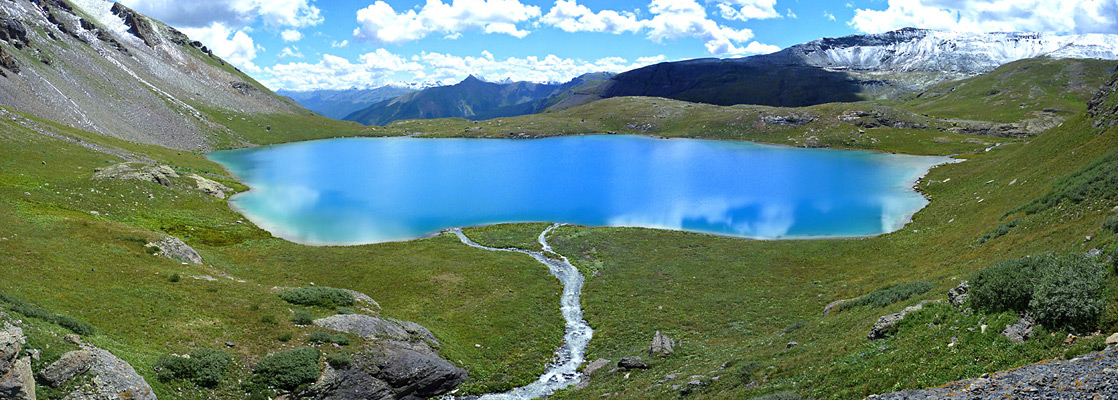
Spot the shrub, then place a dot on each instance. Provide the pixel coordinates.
(318, 337)
(34, 311)
(318, 296)
(795, 326)
(340, 339)
(285, 337)
(1000, 231)
(346, 310)
(1111, 224)
(1068, 295)
(889, 295)
(268, 319)
(1061, 292)
(175, 278)
(204, 367)
(340, 360)
(288, 369)
(302, 317)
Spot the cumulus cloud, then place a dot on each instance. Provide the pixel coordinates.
(341, 44)
(674, 19)
(828, 15)
(233, 45)
(383, 67)
(291, 35)
(1059, 16)
(570, 16)
(200, 14)
(744, 10)
(290, 52)
(380, 24)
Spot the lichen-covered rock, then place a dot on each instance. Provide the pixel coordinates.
(661, 345)
(11, 342)
(370, 327)
(111, 378)
(174, 248)
(209, 186)
(160, 174)
(18, 382)
(71, 364)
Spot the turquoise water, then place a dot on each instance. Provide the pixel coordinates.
(368, 190)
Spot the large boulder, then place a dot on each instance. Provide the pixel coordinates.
(209, 186)
(160, 174)
(174, 248)
(111, 378)
(11, 342)
(398, 363)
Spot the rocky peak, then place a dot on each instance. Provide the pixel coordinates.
(137, 24)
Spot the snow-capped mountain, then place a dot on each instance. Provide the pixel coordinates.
(921, 50)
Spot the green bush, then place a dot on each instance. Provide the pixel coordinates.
(340, 360)
(175, 278)
(889, 295)
(268, 319)
(323, 337)
(285, 337)
(340, 339)
(1069, 295)
(1061, 292)
(318, 296)
(1099, 180)
(204, 367)
(288, 369)
(302, 317)
(1000, 231)
(346, 310)
(1111, 224)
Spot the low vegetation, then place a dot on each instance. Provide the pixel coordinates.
(1098, 181)
(1000, 231)
(204, 367)
(888, 295)
(1061, 292)
(325, 297)
(288, 369)
(33, 311)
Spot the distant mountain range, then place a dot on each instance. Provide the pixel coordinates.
(827, 70)
(476, 99)
(337, 104)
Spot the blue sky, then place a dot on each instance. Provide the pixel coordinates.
(329, 44)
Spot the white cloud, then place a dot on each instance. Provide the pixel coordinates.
(238, 13)
(570, 16)
(341, 44)
(828, 15)
(380, 24)
(291, 35)
(1058, 16)
(673, 19)
(290, 52)
(791, 14)
(382, 67)
(744, 10)
(232, 45)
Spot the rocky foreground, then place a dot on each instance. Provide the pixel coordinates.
(1091, 376)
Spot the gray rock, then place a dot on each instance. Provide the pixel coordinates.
(661, 345)
(18, 382)
(71, 364)
(886, 322)
(1021, 330)
(11, 342)
(352, 383)
(631, 363)
(112, 378)
(12, 31)
(831, 306)
(209, 186)
(958, 296)
(411, 372)
(588, 373)
(160, 174)
(173, 248)
(8, 62)
(370, 327)
(137, 24)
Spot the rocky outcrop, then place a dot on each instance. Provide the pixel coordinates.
(209, 186)
(243, 87)
(588, 373)
(111, 378)
(13, 32)
(1103, 107)
(398, 363)
(661, 345)
(1021, 330)
(160, 174)
(16, 379)
(8, 62)
(174, 248)
(958, 295)
(137, 24)
(885, 323)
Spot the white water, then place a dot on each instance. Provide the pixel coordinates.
(563, 372)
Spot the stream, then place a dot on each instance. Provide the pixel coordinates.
(563, 371)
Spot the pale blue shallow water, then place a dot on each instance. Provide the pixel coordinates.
(368, 190)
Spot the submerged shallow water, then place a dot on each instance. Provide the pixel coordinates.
(368, 190)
